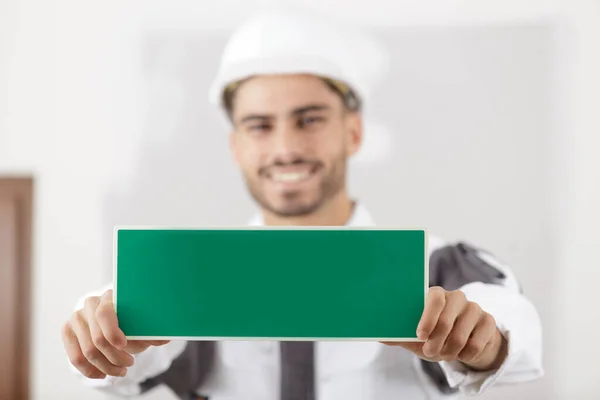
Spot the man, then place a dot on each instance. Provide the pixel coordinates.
(292, 87)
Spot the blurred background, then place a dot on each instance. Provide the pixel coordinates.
(486, 129)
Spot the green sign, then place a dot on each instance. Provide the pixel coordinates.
(270, 283)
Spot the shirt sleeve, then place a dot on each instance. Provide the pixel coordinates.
(517, 320)
(519, 323)
(147, 364)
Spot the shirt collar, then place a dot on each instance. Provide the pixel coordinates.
(360, 217)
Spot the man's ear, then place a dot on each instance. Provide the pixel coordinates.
(355, 133)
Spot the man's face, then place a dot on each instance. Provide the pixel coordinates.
(292, 138)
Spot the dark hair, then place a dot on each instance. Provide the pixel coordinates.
(351, 100)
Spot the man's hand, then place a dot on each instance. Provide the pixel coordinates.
(456, 329)
(95, 344)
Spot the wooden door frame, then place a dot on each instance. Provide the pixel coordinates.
(20, 190)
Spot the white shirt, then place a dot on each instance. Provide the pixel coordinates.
(356, 370)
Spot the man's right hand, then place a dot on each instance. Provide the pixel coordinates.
(95, 344)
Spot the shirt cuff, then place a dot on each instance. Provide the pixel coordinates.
(473, 382)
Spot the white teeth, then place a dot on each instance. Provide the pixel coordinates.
(290, 176)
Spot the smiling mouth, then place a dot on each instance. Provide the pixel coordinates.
(292, 176)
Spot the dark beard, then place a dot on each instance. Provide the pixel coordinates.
(330, 186)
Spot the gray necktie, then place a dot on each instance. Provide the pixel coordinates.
(297, 370)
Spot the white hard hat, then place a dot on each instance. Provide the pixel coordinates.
(293, 41)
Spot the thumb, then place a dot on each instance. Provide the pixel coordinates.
(415, 347)
(137, 346)
(159, 342)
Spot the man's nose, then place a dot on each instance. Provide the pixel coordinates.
(288, 142)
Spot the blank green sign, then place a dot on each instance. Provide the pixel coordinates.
(270, 283)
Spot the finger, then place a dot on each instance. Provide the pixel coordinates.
(482, 336)
(461, 332)
(455, 302)
(434, 304)
(116, 356)
(76, 356)
(90, 351)
(108, 322)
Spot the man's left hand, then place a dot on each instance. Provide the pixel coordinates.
(455, 329)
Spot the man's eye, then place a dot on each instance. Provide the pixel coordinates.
(260, 128)
(308, 121)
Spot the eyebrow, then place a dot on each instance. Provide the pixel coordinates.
(311, 107)
(254, 117)
(294, 112)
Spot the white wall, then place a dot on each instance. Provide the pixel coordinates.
(104, 103)
(46, 120)
(581, 195)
